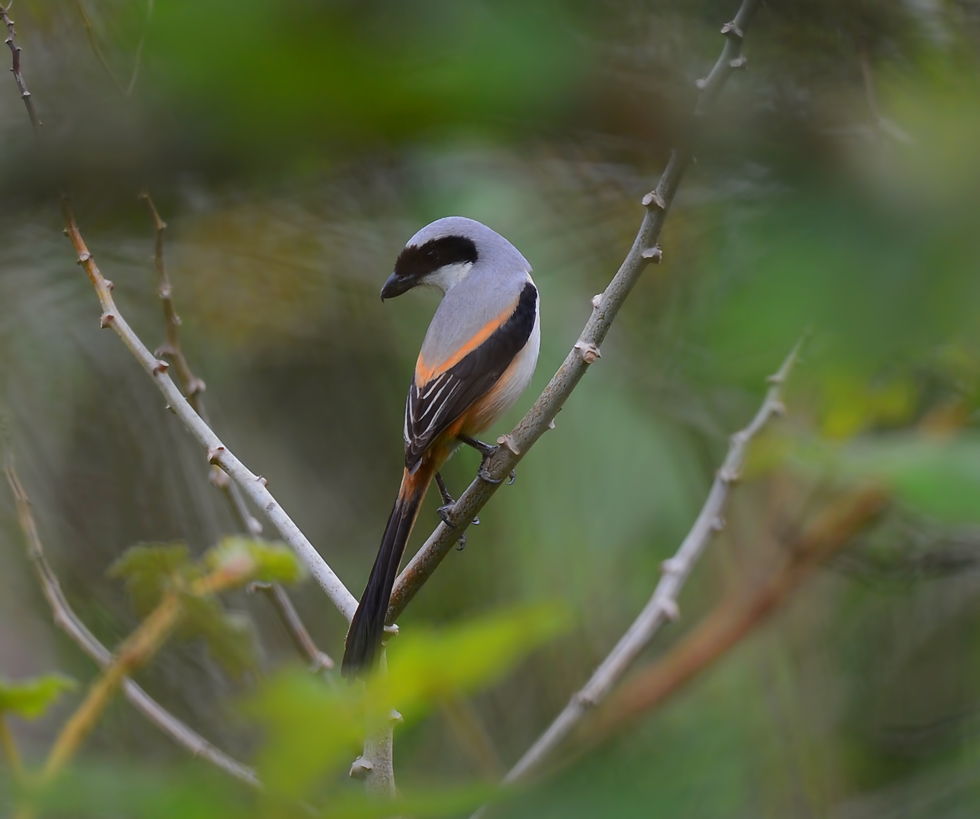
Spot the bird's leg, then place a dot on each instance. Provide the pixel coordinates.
(448, 504)
(487, 452)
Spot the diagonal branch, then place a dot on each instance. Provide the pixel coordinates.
(193, 389)
(66, 619)
(15, 69)
(254, 486)
(662, 607)
(733, 621)
(605, 307)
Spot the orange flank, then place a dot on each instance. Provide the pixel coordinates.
(425, 372)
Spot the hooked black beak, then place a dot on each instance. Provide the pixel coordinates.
(396, 285)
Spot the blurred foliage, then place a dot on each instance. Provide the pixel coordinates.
(29, 699)
(292, 150)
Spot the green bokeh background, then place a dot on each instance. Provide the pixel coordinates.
(292, 149)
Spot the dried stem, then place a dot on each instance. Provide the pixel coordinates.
(15, 49)
(731, 622)
(218, 454)
(127, 89)
(66, 619)
(662, 607)
(585, 351)
(194, 391)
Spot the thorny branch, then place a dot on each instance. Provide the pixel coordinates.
(11, 41)
(66, 619)
(605, 307)
(253, 485)
(662, 607)
(733, 621)
(193, 389)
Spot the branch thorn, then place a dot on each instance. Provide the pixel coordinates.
(261, 480)
(732, 30)
(84, 257)
(160, 367)
(596, 300)
(109, 285)
(214, 454)
(670, 609)
(360, 768)
(653, 254)
(510, 443)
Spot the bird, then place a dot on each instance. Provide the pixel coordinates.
(477, 358)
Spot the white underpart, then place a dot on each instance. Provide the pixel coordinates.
(448, 276)
(522, 369)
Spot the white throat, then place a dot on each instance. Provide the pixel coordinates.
(448, 276)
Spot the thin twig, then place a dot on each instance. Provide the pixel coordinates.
(297, 631)
(126, 90)
(605, 306)
(218, 454)
(662, 607)
(66, 619)
(194, 391)
(742, 615)
(15, 49)
(9, 748)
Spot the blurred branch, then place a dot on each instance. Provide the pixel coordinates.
(732, 622)
(662, 607)
(126, 90)
(15, 69)
(291, 621)
(253, 485)
(9, 748)
(66, 619)
(605, 307)
(135, 652)
(193, 389)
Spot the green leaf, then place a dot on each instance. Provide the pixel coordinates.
(314, 729)
(152, 569)
(31, 698)
(270, 562)
(230, 635)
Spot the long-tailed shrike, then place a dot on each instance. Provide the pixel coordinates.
(477, 358)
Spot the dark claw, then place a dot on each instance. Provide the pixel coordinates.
(513, 477)
(462, 542)
(485, 475)
(443, 512)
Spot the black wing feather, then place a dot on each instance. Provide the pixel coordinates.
(430, 410)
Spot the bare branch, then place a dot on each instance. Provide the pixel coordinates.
(15, 68)
(605, 307)
(662, 607)
(194, 391)
(252, 485)
(128, 88)
(733, 621)
(66, 619)
(302, 641)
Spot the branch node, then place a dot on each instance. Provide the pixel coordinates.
(587, 351)
(729, 476)
(392, 629)
(109, 285)
(655, 201)
(653, 254)
(670, 609)
(215, 453)
(160, 367)
(360, 768)
(83, 257)
(551, 424)
(701, 84)
(106, 319)
(739, 63)
(508, 442)
(717, 523)
(732, 31)
(584, 700)
(396, 718)
(777, 408)
(195, 386)
(672, 566)
(261, 480)
(596, 301)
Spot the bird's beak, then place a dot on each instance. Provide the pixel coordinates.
(396, 285)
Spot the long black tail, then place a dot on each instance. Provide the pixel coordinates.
(367, 627)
